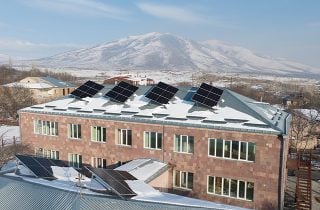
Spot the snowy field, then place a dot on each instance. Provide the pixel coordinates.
(8, 134)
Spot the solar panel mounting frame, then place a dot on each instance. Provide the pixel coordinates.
(162, 93)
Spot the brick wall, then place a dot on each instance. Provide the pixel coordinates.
(264, 172)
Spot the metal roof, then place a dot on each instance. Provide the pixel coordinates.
(17, 194)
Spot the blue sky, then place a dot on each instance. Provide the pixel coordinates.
(279, 28)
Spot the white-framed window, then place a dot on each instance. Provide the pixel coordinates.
(98, 134)
(184, 144)
(152, 140)
(99, 162)
(47, 128)
(237, 150)
(47, 153)
(75, 160)
(230, 188)
(183, 179)
(74, 131)
(124, 137)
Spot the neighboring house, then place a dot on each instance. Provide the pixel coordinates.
(233, 153)
(133, 80)
(292, 99)
(44, 88)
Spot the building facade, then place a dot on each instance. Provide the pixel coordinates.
(233, 155)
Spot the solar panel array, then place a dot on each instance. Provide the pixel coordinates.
(121, 92)
(207, 95)
(115, 179)
(41, 167)
(88, 89)
(162, 93)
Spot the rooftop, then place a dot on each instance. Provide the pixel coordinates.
(68, 190)
(233, 111)
(41, 83)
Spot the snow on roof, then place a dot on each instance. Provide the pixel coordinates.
(143, 169)
(233, 112)
(147, 193)
(40, 85)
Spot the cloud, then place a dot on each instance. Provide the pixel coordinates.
(175, 13)
(91, 8)
(28, 49)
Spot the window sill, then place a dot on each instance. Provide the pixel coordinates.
(98, 142)
(186, 153)
(182, 188)
(74, 139)
(230, 159)
(123, 145)
(225, 196)
(152, 149)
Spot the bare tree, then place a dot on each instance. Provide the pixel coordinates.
(13, 99)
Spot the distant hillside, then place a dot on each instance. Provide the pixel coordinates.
(156, 51)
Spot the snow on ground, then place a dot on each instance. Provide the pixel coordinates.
(146, 193)
(9, 133)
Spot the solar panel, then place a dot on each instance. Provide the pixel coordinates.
(41, 167)
(121, 92)
(115, 179)
(88, 89)
(162, 93)
(207, 95)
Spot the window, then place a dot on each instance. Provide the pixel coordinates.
(183, 179)
(99, 162)
(184, 144)
(47, 128)
(230, 188)
(75, 160)
(124, 137)
(47, 153)
(74, 131)
(152, 140)
(98, 134)
(237, 150)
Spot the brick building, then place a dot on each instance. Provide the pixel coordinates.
(131, 79)
(233, 153)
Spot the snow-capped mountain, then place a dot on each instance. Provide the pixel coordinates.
(157, 51)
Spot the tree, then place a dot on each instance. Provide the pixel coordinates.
(15, 98)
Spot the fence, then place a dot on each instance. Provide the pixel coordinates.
(9, 141)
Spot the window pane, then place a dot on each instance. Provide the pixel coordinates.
(250, 187)
(212, 147)
(243, 151)
(184, 146)
(251, 151)
(146, 140)
(191, 144)
(241, 189)
(233, 192)
(119, 136)
(184, 179)
(124, 137)
(226, 186)
(227, 149)
(79, 131)
(235, 149)
(98, 133)
(177, 143)
(104, 134)
(80, 161)
(159, 142)
(104, 163)
(190, 180)
(218, 185)
(153, 140)
(177, 180)
(219, 147)
(93, 133)
(56, 129)
(210, 184)
(129, 137)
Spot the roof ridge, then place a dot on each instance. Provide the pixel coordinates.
(260, 117)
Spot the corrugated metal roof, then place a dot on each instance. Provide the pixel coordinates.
(16, 194)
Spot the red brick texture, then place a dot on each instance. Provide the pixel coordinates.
(264, 172)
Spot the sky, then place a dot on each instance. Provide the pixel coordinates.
(279, 28)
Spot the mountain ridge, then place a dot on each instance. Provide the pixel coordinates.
(164, 51)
